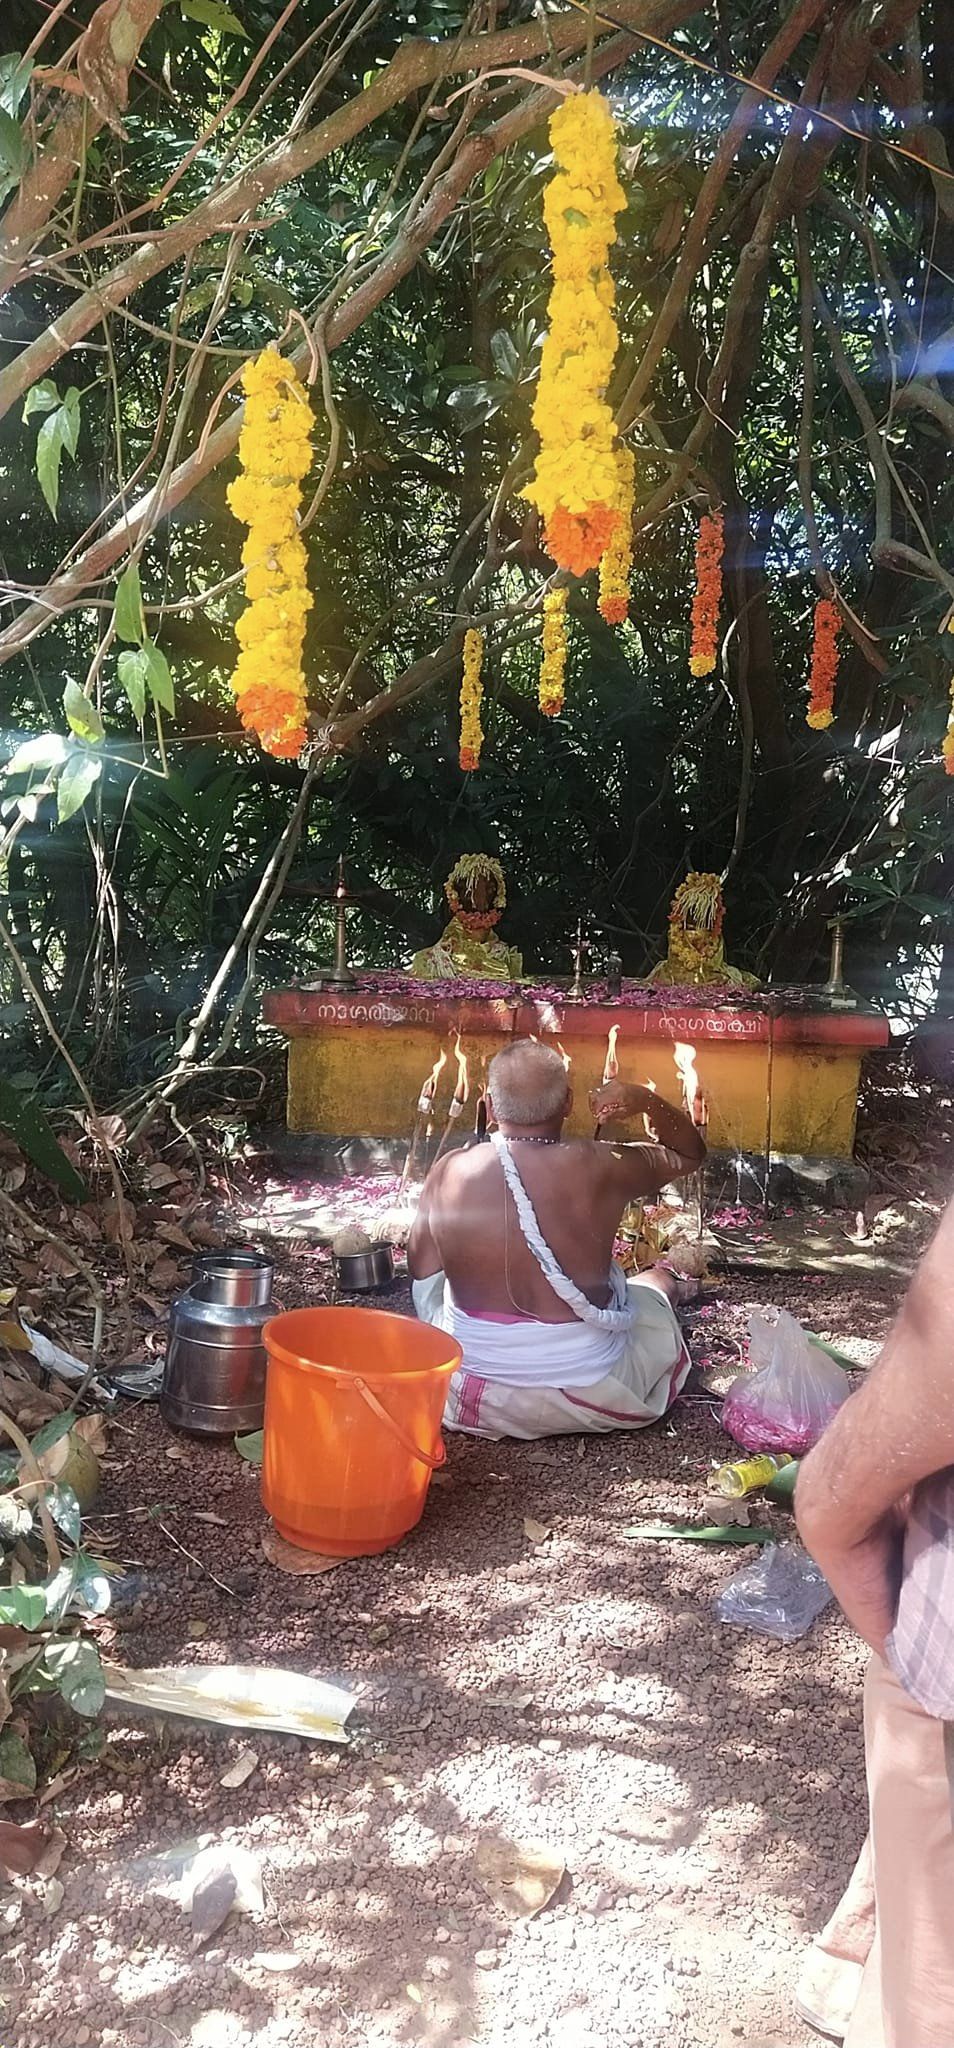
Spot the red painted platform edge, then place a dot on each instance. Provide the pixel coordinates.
(302, 1013)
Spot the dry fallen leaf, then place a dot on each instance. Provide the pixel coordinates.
(52, 1897)
(536, 1532)
(159, 1176)
(22, 1844)
(238, 1772)
(92, 1429)
(520, 1877)
(164, 1273)
(170, 1233)
(288, 1558)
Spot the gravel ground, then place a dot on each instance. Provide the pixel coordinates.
(704, 1786)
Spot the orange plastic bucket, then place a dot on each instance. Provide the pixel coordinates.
(354, 1400)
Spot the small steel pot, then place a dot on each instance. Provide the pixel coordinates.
(360, 1272)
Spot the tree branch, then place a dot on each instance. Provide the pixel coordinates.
(415, 64)
(127, 533)
(105, 56)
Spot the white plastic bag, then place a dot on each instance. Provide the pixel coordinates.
(791, 1397)
(780, 1593)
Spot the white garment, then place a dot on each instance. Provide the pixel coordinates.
(618, 1315)
(526, 1353)
(495, 1395)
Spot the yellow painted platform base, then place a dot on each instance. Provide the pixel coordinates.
(790, 1082)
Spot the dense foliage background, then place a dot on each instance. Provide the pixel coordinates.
(786, 303)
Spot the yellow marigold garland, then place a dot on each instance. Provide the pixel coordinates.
(618, 560)
(707, 600)
(553, 663)
(821, 682)
(575, 482)
(471, 697)
(275, 454)
(947, 743)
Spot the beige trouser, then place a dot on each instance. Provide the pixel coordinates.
(883, 1968)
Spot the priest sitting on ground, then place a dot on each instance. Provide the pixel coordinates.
(512, 1251)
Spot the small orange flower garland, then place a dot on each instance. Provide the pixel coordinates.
(821, 682)
(553, 664)
(708, 594)
(618, 560)
(471, 697)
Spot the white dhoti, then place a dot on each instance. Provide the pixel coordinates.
(529, 1379)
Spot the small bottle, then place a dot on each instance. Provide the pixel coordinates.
(614, 975)
(732, 1481)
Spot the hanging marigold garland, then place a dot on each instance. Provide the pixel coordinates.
(707, 600)
(575, 482)
(821, 682)
(275, 454)
(471, 698)
(947, 743)
(617, 562)
(553, 663)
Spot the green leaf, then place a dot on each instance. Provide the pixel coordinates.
(12, 153)
(27, 1123)
(49, 750)
(79, 777)
(132, 675)
(492, 175)
(71, 420)
(65, 1510)
(52, 1432)
(24, 1606)
(49, 455)
(82, 716)
(41, 397)
(252, 1447)
(158, 676)
(77, 1672)
(15, 75)
(692, 1532)
(129, 618)
(16, 1764)
(213, 14)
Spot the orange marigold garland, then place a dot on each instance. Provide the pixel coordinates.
(275, 454)
(553, 663)
(471, 698)
(821, 682)
(707, 601)
(575, 479)
(618, 560)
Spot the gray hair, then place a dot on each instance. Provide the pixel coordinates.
(527, 1083)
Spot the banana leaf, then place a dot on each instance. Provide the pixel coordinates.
(694, 1532)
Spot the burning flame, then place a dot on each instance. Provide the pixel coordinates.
(430, 1086)
(565, 1056)
(611, 1063)
(462, 1090)
(684, 1059)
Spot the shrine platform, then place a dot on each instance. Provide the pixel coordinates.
(780, 1069)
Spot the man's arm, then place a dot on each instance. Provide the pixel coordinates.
(897, 1430)
(423, 1257)
(677, 1147)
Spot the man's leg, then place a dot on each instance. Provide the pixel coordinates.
(907, 1991)
(829, 1983)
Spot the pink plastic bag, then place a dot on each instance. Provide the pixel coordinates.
(791, 1397)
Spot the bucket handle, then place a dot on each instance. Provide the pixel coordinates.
(377, 1407)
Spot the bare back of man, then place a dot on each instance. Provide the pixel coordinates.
(579, 1188)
